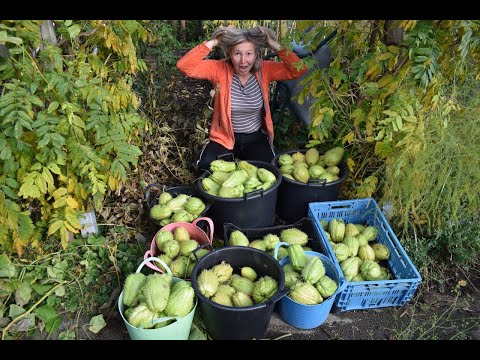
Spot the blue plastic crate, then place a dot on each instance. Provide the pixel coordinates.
(368, 294)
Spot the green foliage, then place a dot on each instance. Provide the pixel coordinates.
(79, 279)
(437, 184)
(289, 132)
(407, 110)
(379, 93)
(68, 123)
(161, 58)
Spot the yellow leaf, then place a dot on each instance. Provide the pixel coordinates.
(47, 176)
(317, 121)
(59, 192)
(112, 183)
(348, 138)
(462, 283)
(384, 80)
(371, 71)
(64, 237)
(71, 228)
(385, 56)
(73, 220)
(392, 62)
(60, 202)
(41, 184)
(54, 168)
(351, 164)
(72, 202)
(54, 227)
(393, 49)
(71, 185)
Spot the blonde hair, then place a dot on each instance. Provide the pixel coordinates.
(228, 37)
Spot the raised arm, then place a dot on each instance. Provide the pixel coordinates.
(290, 67)
(193, 63)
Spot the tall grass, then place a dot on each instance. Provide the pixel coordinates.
(435, 196)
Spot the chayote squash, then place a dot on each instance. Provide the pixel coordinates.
(365, 252)
(264, 288)
(249, 168)
(240, 299)
(311, 156)
(222, 165)
(305, 293)
(294, 236)
(381, 251)
(313, 271)
(181, 300)
(223, 271)
(326, 286)
(298, 258)
(336, 228)
(156, 291)
(242, 284)
(133, 283)
(207, 282)
(222, 299)
(141, 315)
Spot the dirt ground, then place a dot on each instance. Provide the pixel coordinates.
(448, 313)
(430, 315)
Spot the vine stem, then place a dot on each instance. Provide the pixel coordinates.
(31, 309)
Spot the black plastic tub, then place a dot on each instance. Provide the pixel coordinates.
(153, 191)
(294, 196)
(254, 209)
(239, 323)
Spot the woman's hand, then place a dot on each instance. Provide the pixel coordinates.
(271, 38)
(212, 43)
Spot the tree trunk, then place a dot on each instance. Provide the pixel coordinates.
(175, 26)
(393, 34)
(183, 30)
(201, 33)
(48, 32)
(283, 29)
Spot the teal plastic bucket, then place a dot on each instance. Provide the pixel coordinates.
(309, 316)
(178, 330)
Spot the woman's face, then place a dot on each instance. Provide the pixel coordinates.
(243, 57)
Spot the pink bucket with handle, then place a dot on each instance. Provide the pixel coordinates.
(195, 232)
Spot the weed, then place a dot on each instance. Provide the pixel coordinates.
(74, 281)
(450, 324)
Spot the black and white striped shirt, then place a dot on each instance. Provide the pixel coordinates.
(247, 105)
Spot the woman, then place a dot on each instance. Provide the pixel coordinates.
(242, 122)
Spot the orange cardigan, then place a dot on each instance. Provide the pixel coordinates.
(220, 74)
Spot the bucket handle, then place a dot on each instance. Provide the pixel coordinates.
(162, 319)
(152, 258)
(342, 286)
(226, 155)
(277, 297)
(253, 194)
(146, 193)
(203, 246)
(210, 226)
(317, 182)
(277, 246)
